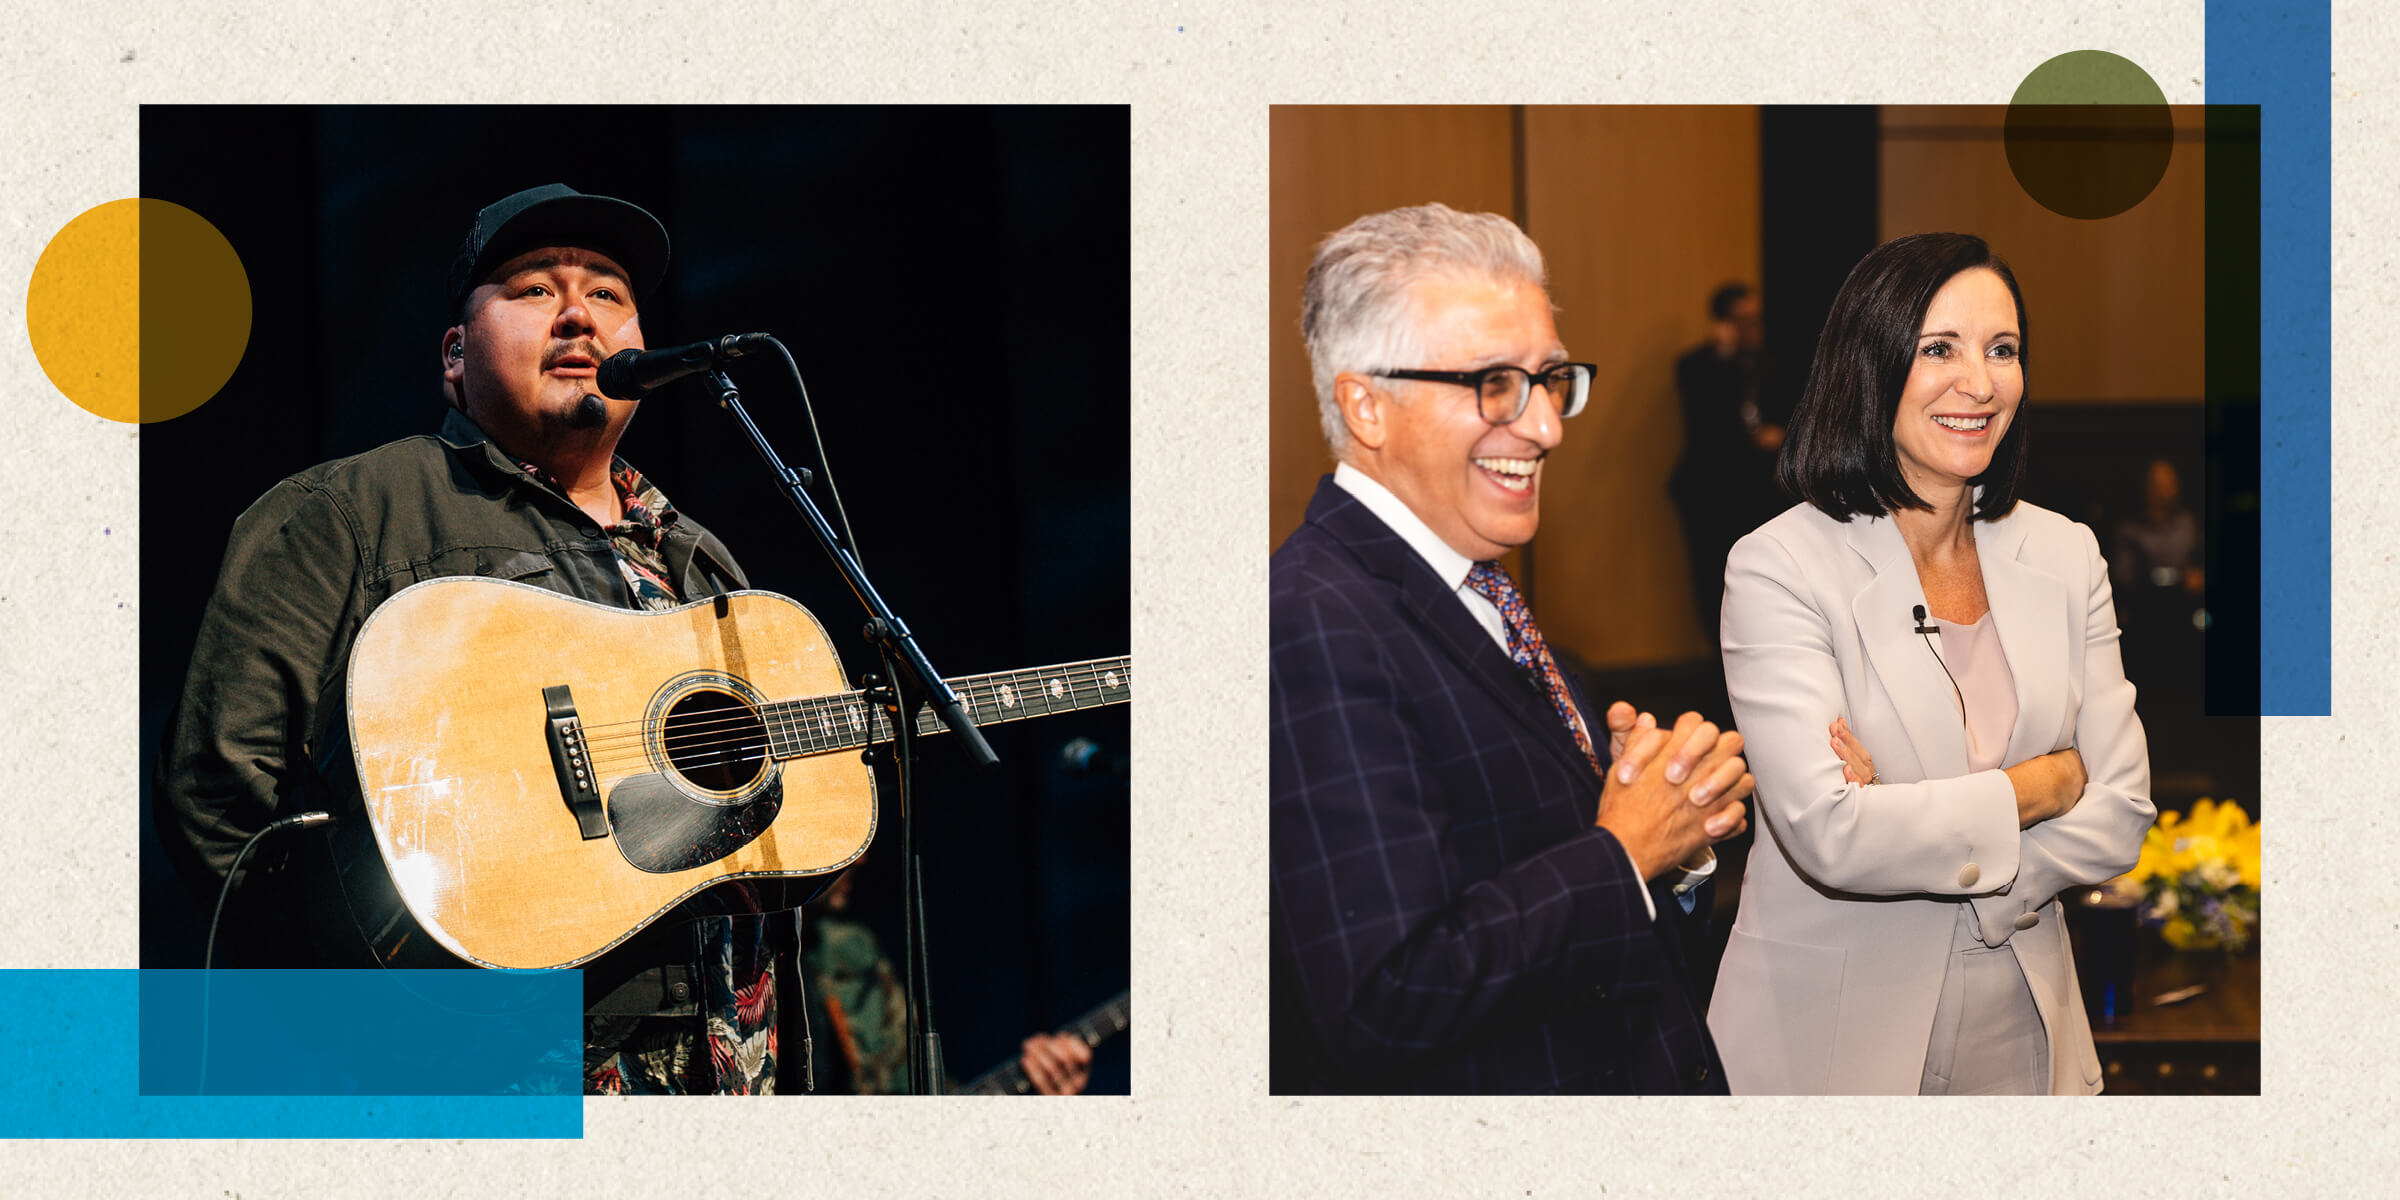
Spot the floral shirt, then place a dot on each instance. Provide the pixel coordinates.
(728, 1047)
(638, 535)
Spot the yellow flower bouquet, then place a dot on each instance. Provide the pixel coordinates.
(2199, 877)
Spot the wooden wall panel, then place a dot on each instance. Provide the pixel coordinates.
(1640, 212)
(1328, 167)
(2115, 304)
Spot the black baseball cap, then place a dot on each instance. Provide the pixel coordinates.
(557, 215)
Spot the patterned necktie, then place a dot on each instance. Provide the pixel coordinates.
(1526, 646)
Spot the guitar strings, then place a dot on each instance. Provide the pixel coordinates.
(980, 697)
(838, 724)
(744, 746)
(704, 742)
(846, 708)
(745, 732)
(979, 688)
(752, 741)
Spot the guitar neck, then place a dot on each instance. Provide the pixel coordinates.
(824, 724)
(1092, 1028)
(1104, 1022)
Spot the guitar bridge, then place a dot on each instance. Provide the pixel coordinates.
(571, 759)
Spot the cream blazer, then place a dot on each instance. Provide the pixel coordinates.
(1835, 962)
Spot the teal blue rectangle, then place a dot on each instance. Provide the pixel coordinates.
(361, 1033)
(79, 1059)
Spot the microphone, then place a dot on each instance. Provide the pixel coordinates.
(1919, 613)
(633, 374)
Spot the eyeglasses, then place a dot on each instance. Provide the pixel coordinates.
(1501, 392)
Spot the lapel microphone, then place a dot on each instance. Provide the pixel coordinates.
(1918, 615)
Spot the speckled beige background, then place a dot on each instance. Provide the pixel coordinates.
(1199, 77)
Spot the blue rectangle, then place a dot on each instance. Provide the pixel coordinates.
(80, 1062)
(2279, 57)
(361, 1033)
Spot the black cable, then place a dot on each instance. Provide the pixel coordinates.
(208, 957)
(840, 511)
(1927, 631)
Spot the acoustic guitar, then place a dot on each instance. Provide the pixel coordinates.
(543, 776)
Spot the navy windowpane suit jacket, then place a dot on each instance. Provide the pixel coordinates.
(1446, 917)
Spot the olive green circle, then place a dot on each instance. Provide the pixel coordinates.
(2089, 135)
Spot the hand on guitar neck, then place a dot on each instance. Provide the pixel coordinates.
(1057, 1064)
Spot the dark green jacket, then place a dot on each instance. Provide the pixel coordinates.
(303, 568)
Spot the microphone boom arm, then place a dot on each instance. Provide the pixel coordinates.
(884, 627)
(910, 677)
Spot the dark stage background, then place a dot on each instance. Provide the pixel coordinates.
(954, 284)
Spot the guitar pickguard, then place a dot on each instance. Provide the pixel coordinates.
(660, 830)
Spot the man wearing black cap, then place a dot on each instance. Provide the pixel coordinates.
(521, 483)
(543, 291)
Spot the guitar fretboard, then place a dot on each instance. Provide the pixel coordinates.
(1106, 1021)
(1092, 1028)
(824, 724)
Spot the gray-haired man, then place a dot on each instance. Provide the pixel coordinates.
(1463, 901)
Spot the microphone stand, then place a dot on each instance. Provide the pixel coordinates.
(912, 682)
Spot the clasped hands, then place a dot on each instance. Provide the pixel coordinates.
(1670, 794)
(2047, 785)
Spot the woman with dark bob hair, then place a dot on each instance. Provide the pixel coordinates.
(1899, 930)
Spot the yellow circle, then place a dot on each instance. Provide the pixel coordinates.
(139, 310)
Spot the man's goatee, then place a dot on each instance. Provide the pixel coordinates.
(590, 412)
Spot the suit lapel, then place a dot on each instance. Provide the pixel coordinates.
(2026, 606)
(1445, 624)
(1905, 665)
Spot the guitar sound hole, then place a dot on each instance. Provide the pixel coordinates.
(715, 740)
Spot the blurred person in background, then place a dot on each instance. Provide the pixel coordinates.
(2161, 548)
(858, 1010)
(1724, 485)
(2160, 585)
